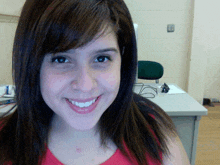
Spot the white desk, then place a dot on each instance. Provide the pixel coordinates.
(185, 112)
(4, 109)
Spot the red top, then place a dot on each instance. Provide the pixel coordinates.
(117, 158)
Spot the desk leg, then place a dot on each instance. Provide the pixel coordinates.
(195, 139)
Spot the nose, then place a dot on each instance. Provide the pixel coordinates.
(85, 80)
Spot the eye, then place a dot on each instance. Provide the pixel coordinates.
(102, 59)
(59, 59)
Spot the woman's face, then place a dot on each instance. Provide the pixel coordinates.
(80, 84)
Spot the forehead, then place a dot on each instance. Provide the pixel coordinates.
(104, 39)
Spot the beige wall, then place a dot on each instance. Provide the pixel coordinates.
(155, 44)
(190, 55)
(205, 54)
(11, 7)
(7, 31)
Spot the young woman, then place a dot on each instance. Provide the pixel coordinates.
(74, 66)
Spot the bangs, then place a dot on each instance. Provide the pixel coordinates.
(68, 24)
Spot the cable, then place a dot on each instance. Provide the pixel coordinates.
(3, 95)
(143, 87)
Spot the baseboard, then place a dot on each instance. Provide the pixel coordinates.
(216, 104)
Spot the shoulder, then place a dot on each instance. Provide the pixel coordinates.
(177, 154)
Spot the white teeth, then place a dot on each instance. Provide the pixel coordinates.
(82, 105)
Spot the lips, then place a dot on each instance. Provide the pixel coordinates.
(85, 106)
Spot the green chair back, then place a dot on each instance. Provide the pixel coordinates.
(150, 70)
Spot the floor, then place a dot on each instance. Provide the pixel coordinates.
(208, 146)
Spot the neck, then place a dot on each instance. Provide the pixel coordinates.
(63, 131)
(67, 143)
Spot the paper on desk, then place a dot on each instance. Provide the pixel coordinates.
(175, 90)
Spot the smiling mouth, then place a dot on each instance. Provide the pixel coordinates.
(83, 107)
(83, 104)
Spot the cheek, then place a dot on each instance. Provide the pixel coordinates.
(50, 83)
(111, 80)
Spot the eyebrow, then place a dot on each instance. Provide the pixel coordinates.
(106, 50)
(99, 50)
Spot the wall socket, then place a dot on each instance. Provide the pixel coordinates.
(170, 28)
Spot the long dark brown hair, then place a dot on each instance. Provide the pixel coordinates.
(50, 26)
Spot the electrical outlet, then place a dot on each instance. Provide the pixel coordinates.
(170, 28)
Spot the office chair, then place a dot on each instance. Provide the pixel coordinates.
(150, 70)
